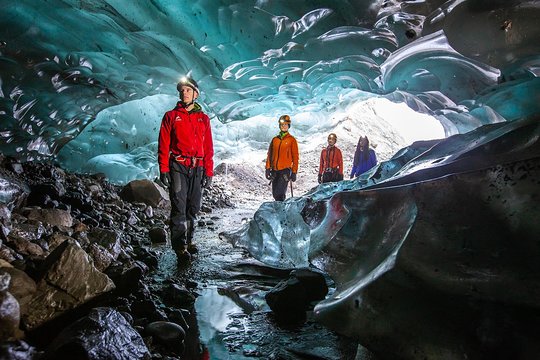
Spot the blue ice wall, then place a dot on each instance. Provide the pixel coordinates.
(63, 62)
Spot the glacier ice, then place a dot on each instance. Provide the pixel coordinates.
(85, 83)
(284, 58)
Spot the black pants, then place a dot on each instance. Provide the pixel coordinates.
(186, 197)
(279, 184)
(331, 175)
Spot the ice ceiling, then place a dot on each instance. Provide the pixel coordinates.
(467, 63)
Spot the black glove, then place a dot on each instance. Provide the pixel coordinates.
(320, 178)
(293, 177)
(165, 179)
(206, 181)
(269, 174)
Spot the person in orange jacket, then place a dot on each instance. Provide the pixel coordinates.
(185, 157)
(331, 164)
(282, 159)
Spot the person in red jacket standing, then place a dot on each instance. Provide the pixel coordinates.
(331, 164)
(185, 157)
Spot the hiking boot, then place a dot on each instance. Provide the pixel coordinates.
(192, 249)
(183, 255)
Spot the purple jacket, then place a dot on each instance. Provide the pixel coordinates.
(361, 165)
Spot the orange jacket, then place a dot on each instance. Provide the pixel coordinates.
(331, 158)
(283, 153)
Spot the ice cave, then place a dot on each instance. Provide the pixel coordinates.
(430, 255)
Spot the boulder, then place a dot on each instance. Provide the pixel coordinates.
(288, 299)
(24, 246)
(102, 258)
(5, 221)
(108, 239)
(69, 280)
(18, 350)
(144, 191)
(103, 334)
(157, 235)
(13, 192)
(51, 216)
(168, 334)
(313, 281)
(56, 239)
(21, 286)
(9, 310)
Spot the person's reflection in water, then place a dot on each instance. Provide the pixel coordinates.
(194, 349)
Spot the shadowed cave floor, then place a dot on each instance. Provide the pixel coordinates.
(233, 320)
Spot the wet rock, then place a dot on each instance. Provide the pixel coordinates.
(21, 286)
(132, 218)
(24, 246)
(5, 221)
(158, 235)
(8, 254)
(51, 216)
(146, 256)
(95, 190)
(109, 239)
(178, 296)
(56, 239)
(39, 193)
(127, 316)
(103, 334)
(81, 238)
(18, 350)
(77, 200)
(313, 281)
(168, 334)
(177, 317)
(147, 309)
(288, 300)
(9, 310)
(149, 212)
(102, 258)
(79, 226)
(28, 231)
(13, 191)
(125, 279)
(144, 191)
(65, 230)
(88, 220)
(16, 167)
(206, 208)
(69, 280)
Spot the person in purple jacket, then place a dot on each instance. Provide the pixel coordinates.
(364, 157)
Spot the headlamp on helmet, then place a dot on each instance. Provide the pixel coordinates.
(187, 81)
(285, 119)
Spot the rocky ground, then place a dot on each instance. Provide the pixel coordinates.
(85, 272)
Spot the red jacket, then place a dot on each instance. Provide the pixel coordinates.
(331, 158)
(186, 134)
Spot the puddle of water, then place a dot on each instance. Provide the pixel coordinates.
(215, 313)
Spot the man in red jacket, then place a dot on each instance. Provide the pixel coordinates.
(331, 163)
(185, 156)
